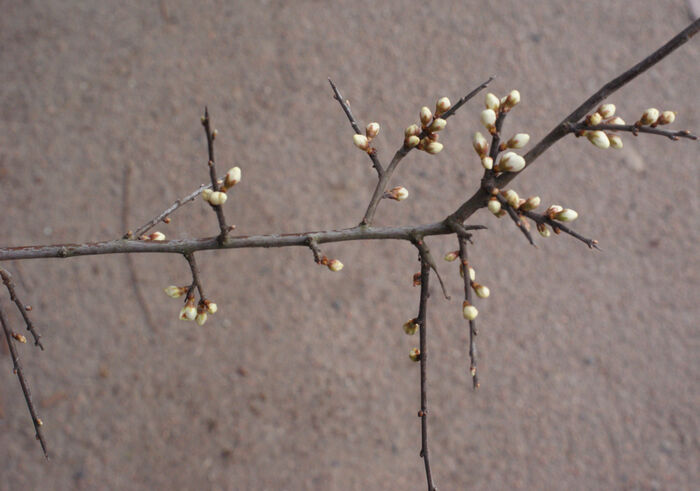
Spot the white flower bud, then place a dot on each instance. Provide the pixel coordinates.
(218, 198)
(469, 311)
(511, 162)
(398, 193)
(425, 116)
(512, 99)
(492, 102)
(482, 291)
(443, 105)
(211, 307)
(437, 125)
(451, 256)
(411, 141)
(372, 130)
(553, 210)
(531, 203)
(615, 141)
(233, 177)
(518, 141)
(617, 120)
(543, 230)
(512, 198)
(487, 163)
(667, 117)
(472, 274)
(488, 118)
(410, 327)
(566, 215)
(201, 318)
(413, 130)
(360, 141)
(480, 144)
(175, 291)
(414, 354)
(206, 194)
(157, 236)
(494, 205)
(606, 110)
(598, 138)
(188, 312)
(650, 116)
(433, 147)
(594, 119)
(335, 265)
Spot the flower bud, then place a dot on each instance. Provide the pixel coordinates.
(518, 141)
(410, 327)
(20, 338)
(451, 256)
(472, 274)
(615, 141)
(606, 110)
(372, 130)
(487, 163)
(667, 117)
(188, 312)
(233, 177)
(360, 141)
(437, 125)
(443, 105)
(398, 193)
(512, 198)
(494, 205)
(157, 236)
(211, 307)
(335, 265)
(411, 141)
(413, 130)
(425, 116)
(480, 144)
(531, 203)
(417, 279)
(218, 198)
(598, 138)
(511, 162)
(206, 194)
(566, 215)
(175, 291)
(433, 147)
(488, 118)
(469, 311)
(512, 99)
(594, 119)
(414, 354)
(201, 318)
(617, 120)
(482, 291)
(543, 230)
(649, 116)
(492, 102)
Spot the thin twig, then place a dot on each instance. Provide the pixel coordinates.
(558, 226)
(631, 128)
(23, 383)
(516, 219)
(427, 257)
(212, 174)
(7, 280)
(421, 320)
(196, 282)
(464, 259)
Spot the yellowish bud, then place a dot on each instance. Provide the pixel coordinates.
(617, 120)
(543, 230)
(487, 163)
(218, 198)
(437, 125)
(206, 194)
(594, 119)
(606, 110)
(667, 117)
(157, 236)
(410, 327)
(511, 162)
(512, 99)
(201, 318)
(451, 256)
(566, 215)
(425, 116)
(398, 193)
(469, 311)
(512, 198)
(472, 274)
(20, 338)
(414, 354)
(360, 141)
(615, 141)
(494, 205)
(482, 291)
(553, 210)
(411, 141)
(372, 130)
(531, 203)
(233, 177)
(413, 130)
(492, 102)
(335, 265)
(433, 147)
(443, 105)
(211, 307)
(175, 291)
(598, 138)
(650, 116)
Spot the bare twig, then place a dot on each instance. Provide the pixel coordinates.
(464, 259)
(212, 174)
(196, 282)
(23, 383)
(519, 222)
(23, 309)
(631, 128)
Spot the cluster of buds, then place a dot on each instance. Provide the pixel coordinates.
(604, 115)
(155, 236)
(218, 198)
(431, 124)
(510, 161)
(332, 264)
(363, 141)
(514, 201)
(494, 106)
(189, 312)
(556, 212)
(399, 193)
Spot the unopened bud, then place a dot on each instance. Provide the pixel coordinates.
(615, 141)
(372, 130)
(19, 337)
(566, 215)
(494, 205)
(451, 256)
(472, 274)
(553, 210)
(425, 116)
(157, 236)
(414, 354)
(206, 194)
(416, 279)
(469, 311)
(606, 110)
(211, 307)
(480, 144)
(201, 318)
(188, 312)
(594, 119)
(233, 177)
(443, 105)
(518, 141)
(512, 99)
(492, 102)
(175, 291)
(531, 203)
(617, 120)
(667, 117)
(398, 193)
(411, 141)
(487, 163)
(335, 265)
(511, 162)
(598, 138)
(433, 147)
(482, 291)
(437, 125)
(488, 118)
(360, 141)
(218, 198)
(512, 198)
(413, 130)
(543, 230)
(410, 327)
(650, 116)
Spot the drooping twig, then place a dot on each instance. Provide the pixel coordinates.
(427, 257)
(23, 383)
(196, 282)
(421, 320)
(23, 309)
(631, 128)
(464, 259)
(212, 174)
(519, 222)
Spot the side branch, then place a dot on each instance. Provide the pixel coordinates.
(9, 284)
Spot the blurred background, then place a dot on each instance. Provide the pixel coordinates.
(590, 377)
